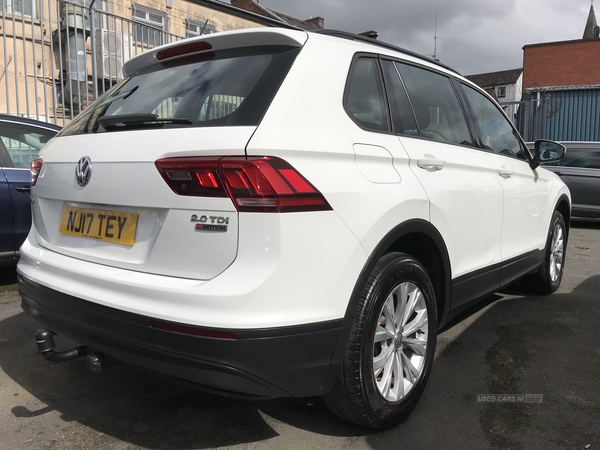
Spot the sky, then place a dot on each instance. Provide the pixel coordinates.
(473, 36)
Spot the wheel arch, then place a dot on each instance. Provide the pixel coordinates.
(422, 241)
(564, 207)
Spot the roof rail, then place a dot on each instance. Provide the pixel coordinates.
(368, 40)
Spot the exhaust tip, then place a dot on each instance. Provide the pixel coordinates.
(95, 362)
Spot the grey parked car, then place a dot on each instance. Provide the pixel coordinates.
(580, 170)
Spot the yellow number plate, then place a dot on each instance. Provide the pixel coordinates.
(102, 225)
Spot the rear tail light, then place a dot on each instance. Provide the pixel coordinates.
(254, 184)
(35, 167)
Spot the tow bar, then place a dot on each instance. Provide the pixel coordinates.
(45, 345)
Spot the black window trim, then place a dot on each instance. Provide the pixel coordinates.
(389, 100)
(476, 134)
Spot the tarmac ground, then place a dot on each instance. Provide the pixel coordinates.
(487, 361)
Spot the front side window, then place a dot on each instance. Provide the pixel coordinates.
(364, 100)
(438, 111)
(497, 133)
(226, 88)
(149, 25)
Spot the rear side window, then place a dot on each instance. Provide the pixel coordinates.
(227, 88)
(364, 100)
(438, 111)
(575, 157)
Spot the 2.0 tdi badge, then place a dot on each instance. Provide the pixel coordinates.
(210, 223)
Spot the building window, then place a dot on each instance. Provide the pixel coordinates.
(501, 92)
(20, 7)
(149, 25)
(196, 28)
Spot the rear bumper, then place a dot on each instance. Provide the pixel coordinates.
(276, 362)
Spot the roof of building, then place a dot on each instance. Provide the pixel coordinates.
(312, 24)
(490, 79)
(309, 24)
(267, 20)
(563, 88)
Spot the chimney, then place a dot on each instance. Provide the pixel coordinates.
(319, 21)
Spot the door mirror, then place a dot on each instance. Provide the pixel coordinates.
(547, 151)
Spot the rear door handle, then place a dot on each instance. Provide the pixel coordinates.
(506, 173)
(431, 164)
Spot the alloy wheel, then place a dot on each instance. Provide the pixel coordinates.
(400, 342)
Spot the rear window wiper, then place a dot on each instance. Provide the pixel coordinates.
(136, 120)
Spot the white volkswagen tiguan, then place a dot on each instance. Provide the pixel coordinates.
(273, 213)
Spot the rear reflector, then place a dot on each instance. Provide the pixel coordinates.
(254, 184)
(194, 331)
(35, 167)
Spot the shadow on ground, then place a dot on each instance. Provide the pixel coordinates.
(539, 345)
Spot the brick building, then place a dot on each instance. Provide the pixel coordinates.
(568, 63)
(561, 88)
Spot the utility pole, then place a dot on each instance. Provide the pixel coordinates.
(435, 37)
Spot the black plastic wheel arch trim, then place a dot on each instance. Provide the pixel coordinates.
(404, 229)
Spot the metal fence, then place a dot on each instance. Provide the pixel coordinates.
(58, 56)
(562, 115)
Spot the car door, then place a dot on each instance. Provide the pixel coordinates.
(7, 220)
(527, 201)
(20, 144)
(580, 170)
(460, 179)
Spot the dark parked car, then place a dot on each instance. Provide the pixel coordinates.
(20, 142)
(580, 170)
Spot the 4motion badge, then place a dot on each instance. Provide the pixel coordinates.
(210, 223)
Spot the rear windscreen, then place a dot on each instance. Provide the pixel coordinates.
(226, 88)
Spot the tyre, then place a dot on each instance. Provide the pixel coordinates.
(547, 279)
(391, 346)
